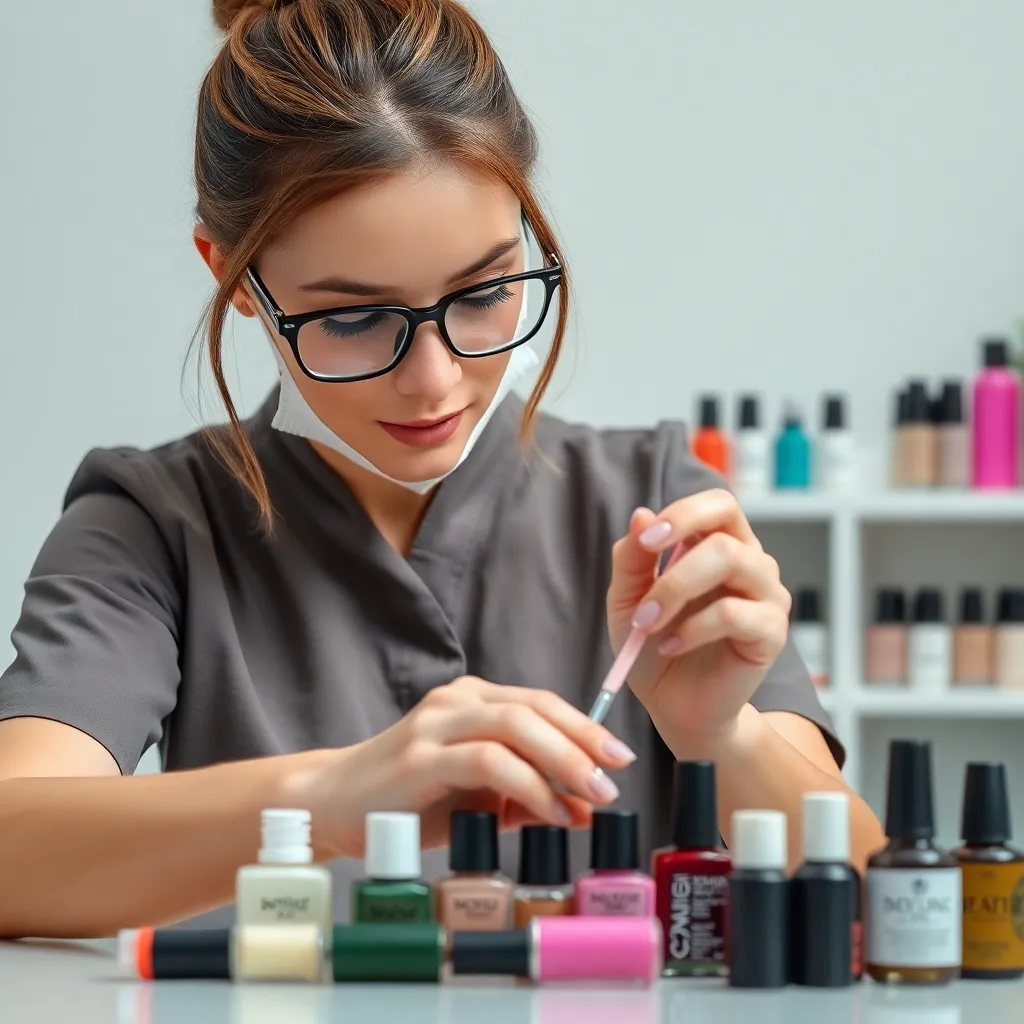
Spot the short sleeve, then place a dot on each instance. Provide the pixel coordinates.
(788, 685)
(96, 645)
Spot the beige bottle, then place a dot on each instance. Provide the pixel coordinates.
(918, 440)
(1009, 652)
(476, 896)
(972, 641)
(885, 646)
(285, 886)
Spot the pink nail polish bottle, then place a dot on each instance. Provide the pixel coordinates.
(616, 885)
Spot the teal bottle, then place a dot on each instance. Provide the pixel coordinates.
(792, 454)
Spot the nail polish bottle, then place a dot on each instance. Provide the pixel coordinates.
(393, 890)
(792, 453)
(930, 643)
(810, 635)
(475, 896)
(912, 888)
(972, 641)
(1009, 640)
(616, 885)
(995, 413)
(752, 454)
(825, 897)
(918, 439)
(691, 878)
(953, 442)
(993, 878)
(885, 648)
(759, 901)
(836, 455)
(710, 445)
(544, 885)
(897, 444)
(284, 886)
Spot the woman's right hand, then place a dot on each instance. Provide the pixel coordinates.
(523, 753)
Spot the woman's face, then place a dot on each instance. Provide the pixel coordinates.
(407, 240)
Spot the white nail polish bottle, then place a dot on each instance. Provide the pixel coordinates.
(810, 634)
(751, 450)
(836, 468)
(929, 643)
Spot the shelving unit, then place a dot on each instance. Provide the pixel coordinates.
(847, 546)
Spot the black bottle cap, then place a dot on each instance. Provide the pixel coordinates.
(928, 605)
(543, 855)
(806, 605)
(950, 411)
(615, 841)
(995, 352)
(481, 953)
(908, 811)
(1011, 605)
(835, 412)
(902, 408)
(709, 412)
(750, 414)
(985, 816)
(474, 842)
(919, 405)
(695, 806)
(972, 605)
(890, 606)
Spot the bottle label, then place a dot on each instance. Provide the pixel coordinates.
(913, 917)
(993, 921)
(697, 908)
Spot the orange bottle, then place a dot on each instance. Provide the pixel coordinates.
(710, 445)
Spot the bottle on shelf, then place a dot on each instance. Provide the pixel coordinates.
(993, 878)
(972, 641)
(918, 439)
(792, 453)
(912, 887)
(885, 647)
(896, 474)
(476, 896)
(751, 449)
(836, 453)
(1008, 658)
(953, 442)
(710, 445)
(929, 643)
(810, 635)
(995, 419)
(545, 885)
(392, 891)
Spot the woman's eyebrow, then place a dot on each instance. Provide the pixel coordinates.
(345, 286)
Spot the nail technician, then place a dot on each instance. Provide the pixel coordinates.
(389, 589)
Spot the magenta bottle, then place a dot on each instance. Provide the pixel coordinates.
(616, 885)
(996, 420)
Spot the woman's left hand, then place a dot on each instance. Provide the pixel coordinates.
(716, 620)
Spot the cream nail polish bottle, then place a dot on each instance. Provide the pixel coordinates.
(1009, 642)
(284, 886)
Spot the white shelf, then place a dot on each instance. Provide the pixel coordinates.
(875, 700)
(886, 506)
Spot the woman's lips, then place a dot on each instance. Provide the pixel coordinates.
(424, 435)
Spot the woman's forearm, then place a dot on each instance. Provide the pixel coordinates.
(758, 769)
(83, 857)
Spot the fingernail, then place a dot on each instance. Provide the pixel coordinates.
(647, 615)
(618, 751)
(562, 815)
(602, 787)
(673, 645)
(655, 534)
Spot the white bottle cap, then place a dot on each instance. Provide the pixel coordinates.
(392, 845)
(285, 837)
(827, 827)
(759, 840)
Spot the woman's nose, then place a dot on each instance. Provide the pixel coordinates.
(429, 370)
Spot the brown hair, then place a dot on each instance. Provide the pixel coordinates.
(308, 98)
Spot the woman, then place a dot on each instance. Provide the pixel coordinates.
(372, 595)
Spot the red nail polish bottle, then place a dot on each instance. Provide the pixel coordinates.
(692, 878)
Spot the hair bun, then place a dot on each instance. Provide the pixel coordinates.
(225, 11)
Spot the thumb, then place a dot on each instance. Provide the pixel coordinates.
(634, 568)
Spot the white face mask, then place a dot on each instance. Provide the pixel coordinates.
(294, 415)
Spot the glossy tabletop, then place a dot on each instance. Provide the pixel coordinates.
(42, 982)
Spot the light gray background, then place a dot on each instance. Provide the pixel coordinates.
(789, 196)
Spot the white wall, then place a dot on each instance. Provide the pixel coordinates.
(785, 196)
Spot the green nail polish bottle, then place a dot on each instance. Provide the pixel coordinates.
(388, 952)
(392, 892)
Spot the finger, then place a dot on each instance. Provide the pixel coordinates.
(757, 630)
(491, 765)
(634, 567)
(714, 511)
(531, 736)
(717, 561)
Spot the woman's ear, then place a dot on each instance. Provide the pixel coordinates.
(214, 259)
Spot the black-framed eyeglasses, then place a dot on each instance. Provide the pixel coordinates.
(350, 343)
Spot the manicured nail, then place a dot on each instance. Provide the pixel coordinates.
(562, 815)
(655, 534)
(618, 751)
(673, 645)
(602, 787)
(647, 615)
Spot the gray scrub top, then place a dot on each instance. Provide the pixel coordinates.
(157, 611)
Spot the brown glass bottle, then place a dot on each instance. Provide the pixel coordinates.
(993, 909)
(912, 888)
